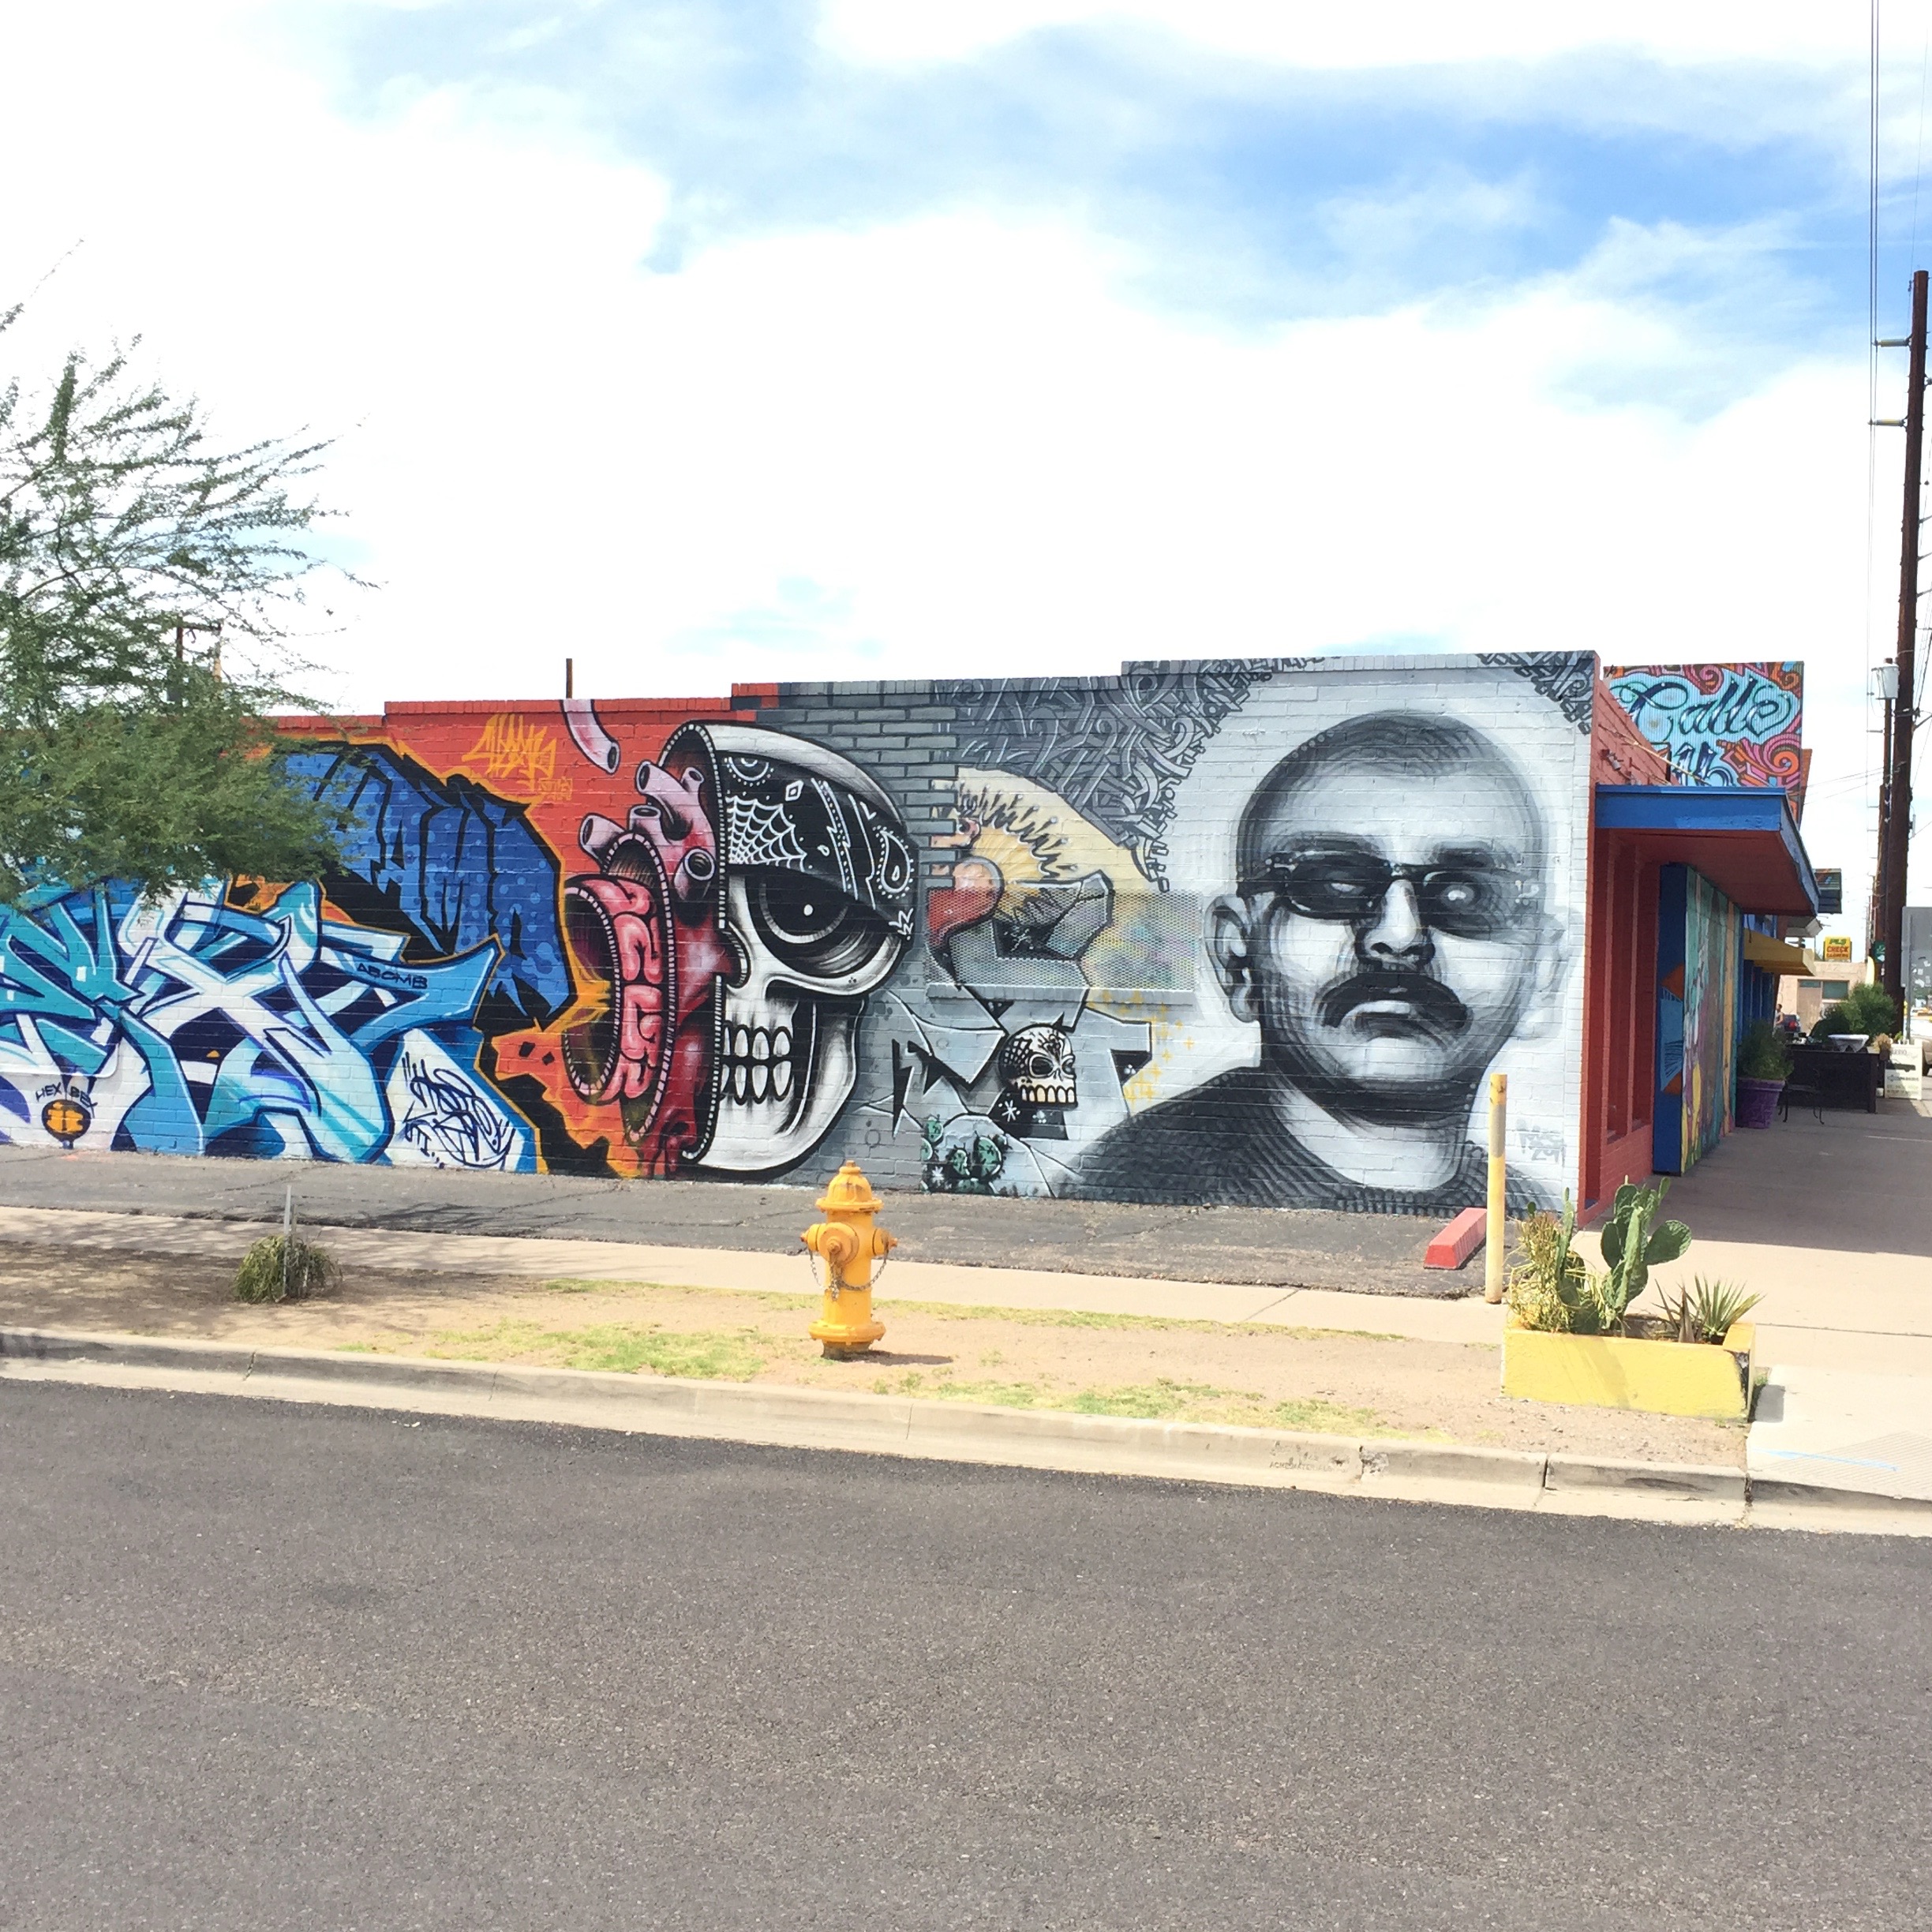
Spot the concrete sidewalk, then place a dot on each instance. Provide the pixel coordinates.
(1259, 1247)
(1851, 1420)
(1811, 1316)
(1830, 1221)
(1872, 1433)
(385, 1250)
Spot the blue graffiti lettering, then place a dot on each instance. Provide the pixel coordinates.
(189, 1025)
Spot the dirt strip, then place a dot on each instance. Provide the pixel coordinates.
(1104, 1365)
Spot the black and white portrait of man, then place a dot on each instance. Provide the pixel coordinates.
(1388, 935)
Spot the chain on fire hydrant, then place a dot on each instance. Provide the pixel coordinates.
(848, 1243)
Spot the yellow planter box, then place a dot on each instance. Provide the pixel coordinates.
(1705, 1378)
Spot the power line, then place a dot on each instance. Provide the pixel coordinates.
(1925, 56)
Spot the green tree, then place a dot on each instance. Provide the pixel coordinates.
(149, 579)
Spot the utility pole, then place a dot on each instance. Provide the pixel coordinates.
(1895, 831)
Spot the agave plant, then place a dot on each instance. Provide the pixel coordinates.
(1705, 1311)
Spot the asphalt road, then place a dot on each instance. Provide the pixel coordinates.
(270, 1666)
(1277, 1247)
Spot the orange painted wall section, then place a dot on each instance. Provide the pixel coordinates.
(1619, 1008)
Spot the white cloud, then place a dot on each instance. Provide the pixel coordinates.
(1306, 33)
(944, 446)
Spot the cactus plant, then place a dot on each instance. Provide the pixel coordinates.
(1552, 1289)
(1549, 1287)
(1632, 1247)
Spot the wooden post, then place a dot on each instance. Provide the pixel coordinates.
(1896, 831)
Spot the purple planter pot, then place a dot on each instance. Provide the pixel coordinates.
(1757, 1099)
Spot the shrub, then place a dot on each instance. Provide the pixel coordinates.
(1864, 1010)
(1762, 1055)
(283, 1268)
(1872, 1009)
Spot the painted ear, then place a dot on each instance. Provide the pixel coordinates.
(1230, 943)
(1542, 1012)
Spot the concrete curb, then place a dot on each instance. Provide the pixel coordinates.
(959, 1432)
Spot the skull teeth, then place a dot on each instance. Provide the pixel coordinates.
(758, 1063)
(1047, 1093)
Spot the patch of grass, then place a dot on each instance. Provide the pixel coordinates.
(573, 1284)
(621, 1347)
(626, 1347)
(1165, 1399)
(1160, 1400)
(1086, 1318)
(948, 1311)
(996, 1394)
(945, 1387)
(1327, 1418)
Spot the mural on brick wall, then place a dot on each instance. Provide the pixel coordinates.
(1720, 725)
(197, 1025)
(759, 888)
(1243, 931)
(1266, 959)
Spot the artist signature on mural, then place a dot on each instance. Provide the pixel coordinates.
(450, 1122)
(514, 751)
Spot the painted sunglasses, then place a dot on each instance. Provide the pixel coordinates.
(1466, 901)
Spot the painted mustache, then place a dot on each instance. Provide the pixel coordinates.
(1435, 1006)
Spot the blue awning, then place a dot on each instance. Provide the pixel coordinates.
(1742, 838)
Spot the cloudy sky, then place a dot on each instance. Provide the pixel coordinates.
(705, 340)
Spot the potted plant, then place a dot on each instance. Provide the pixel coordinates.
(1571, 1338)
(1764, 1065)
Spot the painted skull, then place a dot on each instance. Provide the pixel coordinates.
(761, 888)
(1037, 1065)
(820, 888)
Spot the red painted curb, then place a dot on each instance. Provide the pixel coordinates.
(1459, 1240)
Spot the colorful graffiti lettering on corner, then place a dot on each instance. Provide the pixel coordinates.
(1720, 725)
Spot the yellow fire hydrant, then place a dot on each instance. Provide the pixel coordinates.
(848, 1243)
